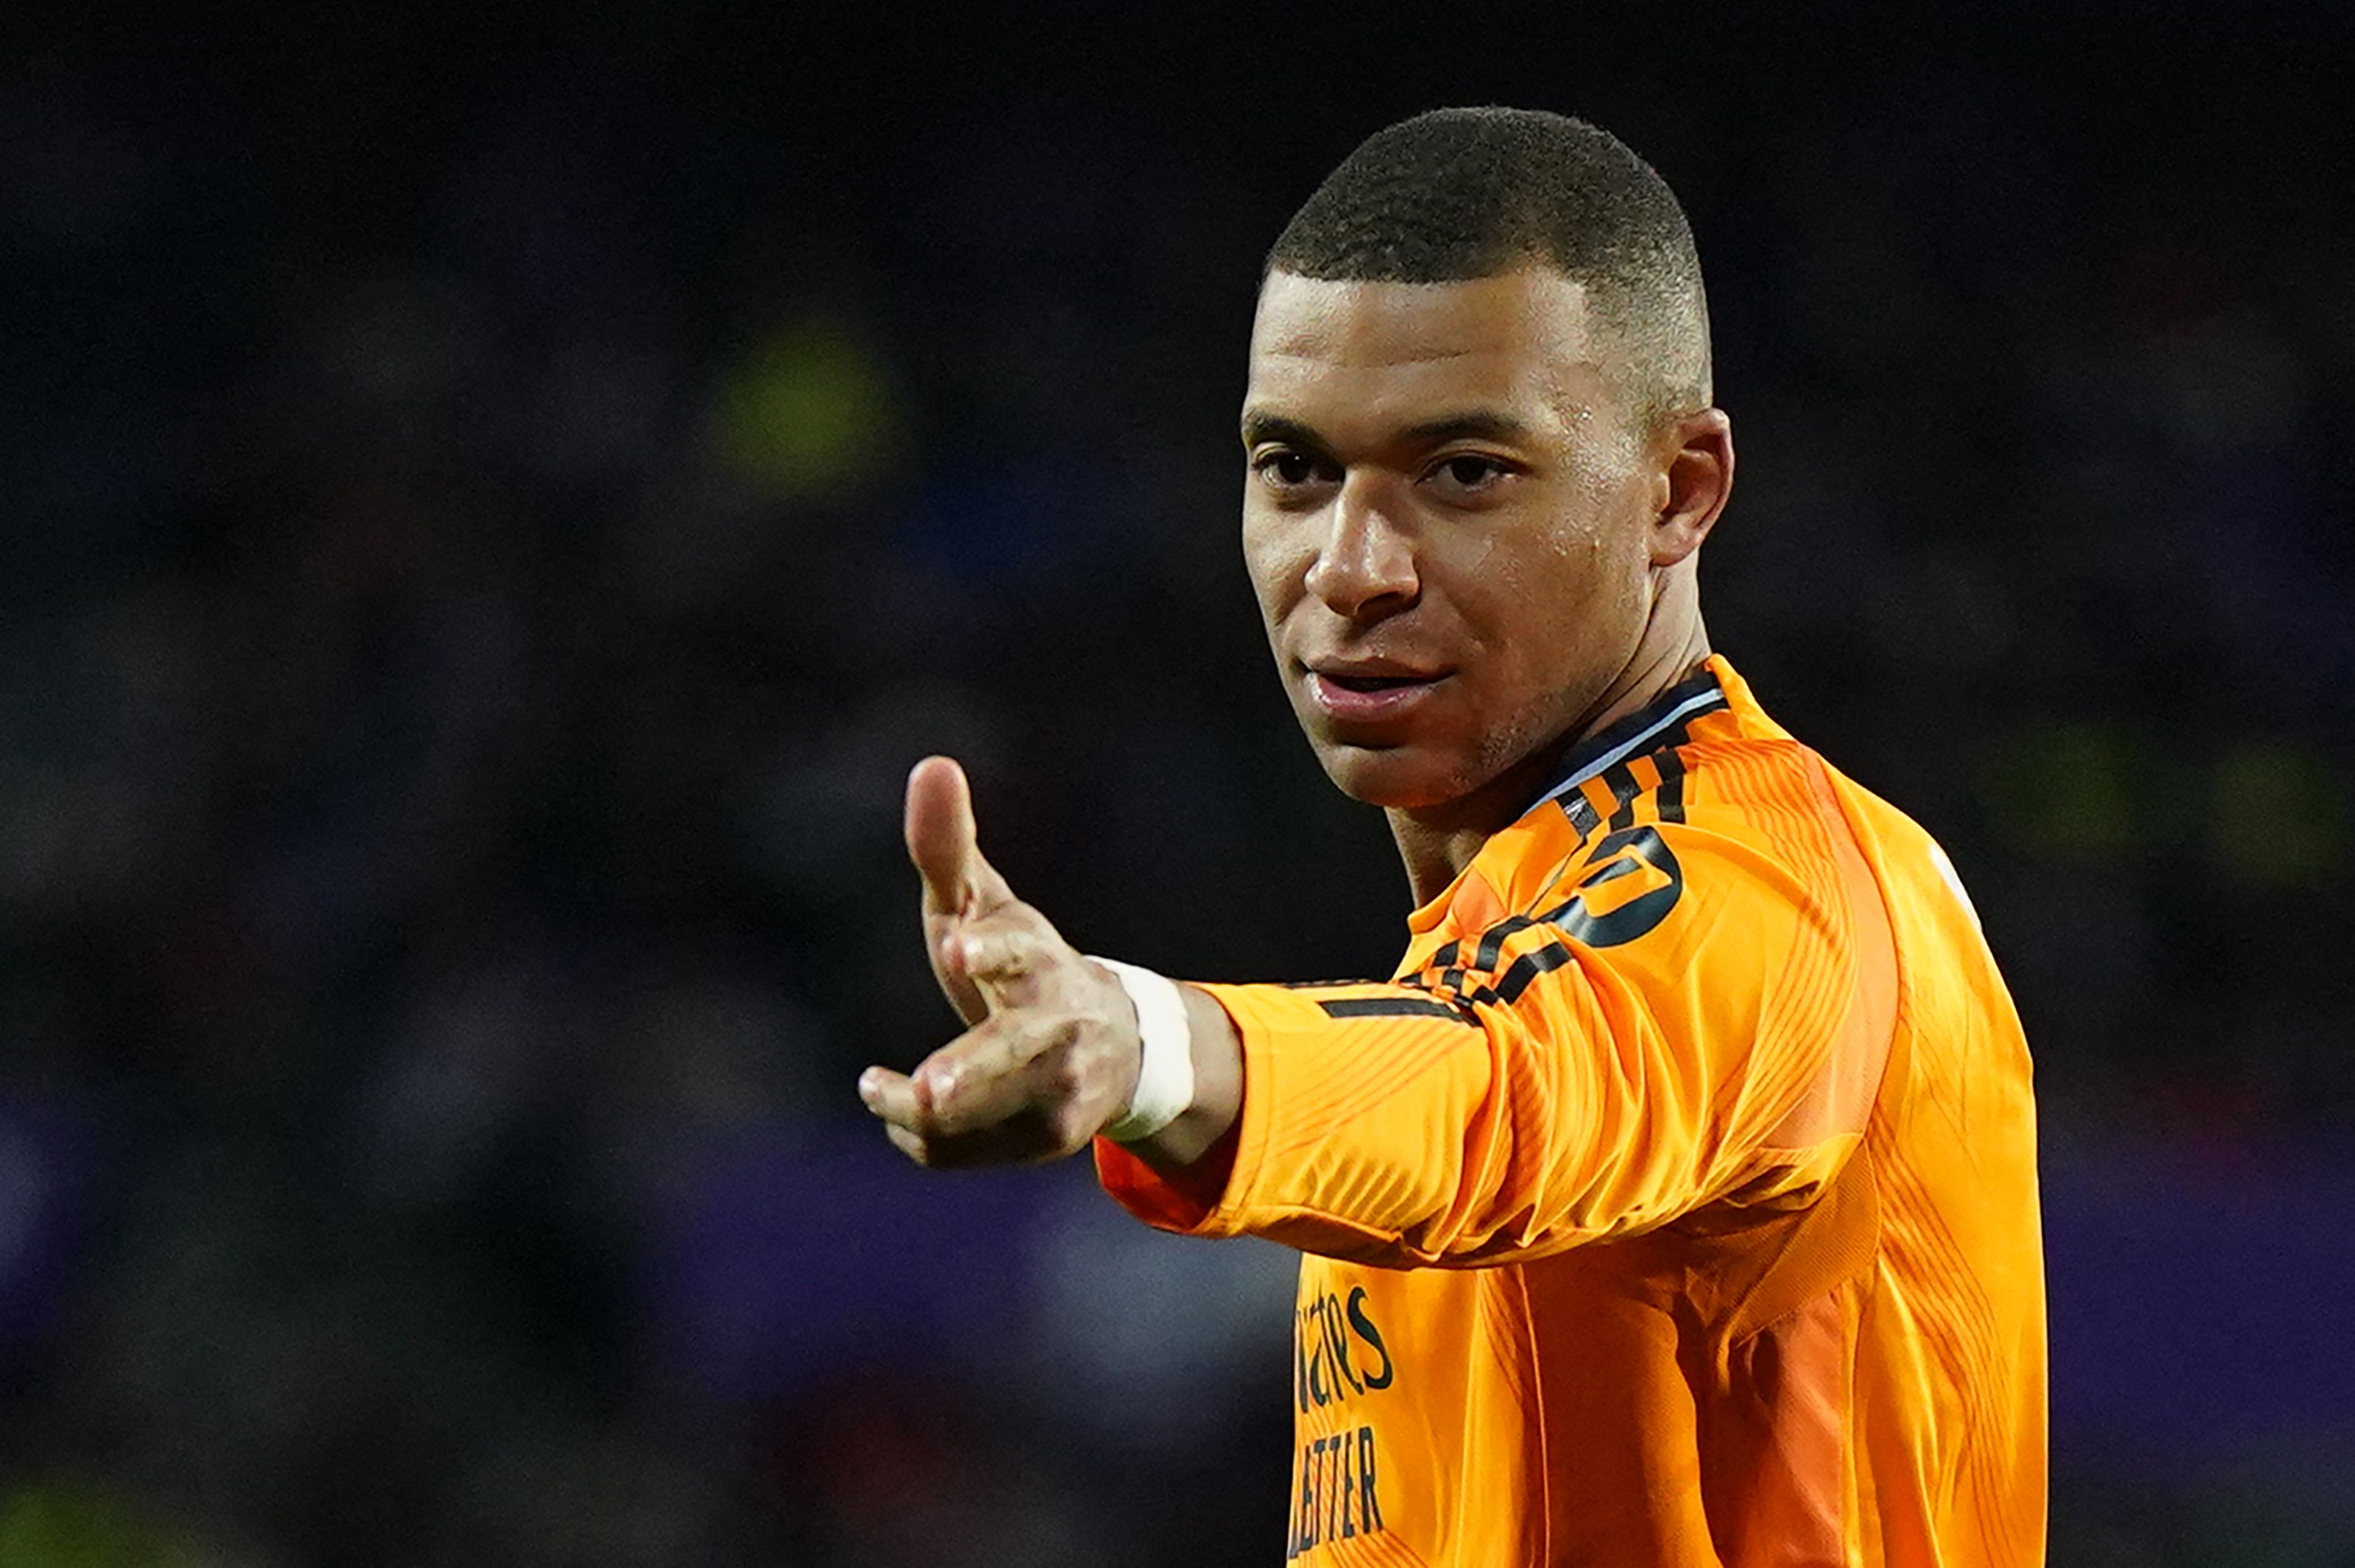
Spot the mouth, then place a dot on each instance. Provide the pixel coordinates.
(1373, 682)
(1369, 691)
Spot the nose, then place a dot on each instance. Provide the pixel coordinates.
(1365, 568)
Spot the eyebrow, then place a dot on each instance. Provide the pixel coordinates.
(1259, 425)
(1472, 424)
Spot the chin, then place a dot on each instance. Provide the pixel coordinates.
(1396, 778)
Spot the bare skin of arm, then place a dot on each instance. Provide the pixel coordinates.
(1050, 1052)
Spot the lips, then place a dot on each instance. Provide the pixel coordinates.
(1366, 691)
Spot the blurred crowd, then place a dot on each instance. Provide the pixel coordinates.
(489, 525)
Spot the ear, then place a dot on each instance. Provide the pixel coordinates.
(1692, 485)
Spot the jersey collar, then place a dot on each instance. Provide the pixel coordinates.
(1647, 728)
(1484, 891)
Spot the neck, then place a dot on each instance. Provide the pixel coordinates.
(1437, 842)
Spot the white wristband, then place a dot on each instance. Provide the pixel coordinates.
(1165, 1080)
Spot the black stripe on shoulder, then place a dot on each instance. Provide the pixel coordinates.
(1620, 780)
(1523, 973)
(1492, 940)
(1583, 818)
(1323, 984)
(1671, 801)
(1391, 1007)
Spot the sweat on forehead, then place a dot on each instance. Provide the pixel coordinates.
(1519, 349)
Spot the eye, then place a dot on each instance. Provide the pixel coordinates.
(1471, 471)
(1288, 470)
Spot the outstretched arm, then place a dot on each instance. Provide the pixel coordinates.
(1693, 1013)
(1052, 1052)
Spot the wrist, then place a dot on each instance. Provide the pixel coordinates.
(1165, 1078)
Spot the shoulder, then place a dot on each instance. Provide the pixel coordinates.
(1715, 820)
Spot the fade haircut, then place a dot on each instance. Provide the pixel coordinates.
(1457, 194)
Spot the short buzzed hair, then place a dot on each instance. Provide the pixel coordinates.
(1458, 194)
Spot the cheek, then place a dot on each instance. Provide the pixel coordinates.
(1556, 619)
(1529, 598)
(1277, 556)
(1604, 566)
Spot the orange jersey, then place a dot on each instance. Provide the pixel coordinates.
(1674, 1204)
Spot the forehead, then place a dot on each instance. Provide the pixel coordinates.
(1335, 352)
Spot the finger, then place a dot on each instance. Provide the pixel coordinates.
(984, 1078)
(944, 947)
(972, 1082)
(1014, 953)
(1014, 939)
(962, 1153)
(1027, 1140)
(893, 1097)
(944, 843)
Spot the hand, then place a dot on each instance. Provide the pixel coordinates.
(1053, 1053)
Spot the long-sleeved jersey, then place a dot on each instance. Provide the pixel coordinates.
(1675, 1203)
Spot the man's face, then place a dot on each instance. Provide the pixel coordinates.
(1446, 515)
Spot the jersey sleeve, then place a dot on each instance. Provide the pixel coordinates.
(1694, 1013)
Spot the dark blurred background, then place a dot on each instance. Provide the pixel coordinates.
(493, 501)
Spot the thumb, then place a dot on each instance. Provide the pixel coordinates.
(945, 844)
